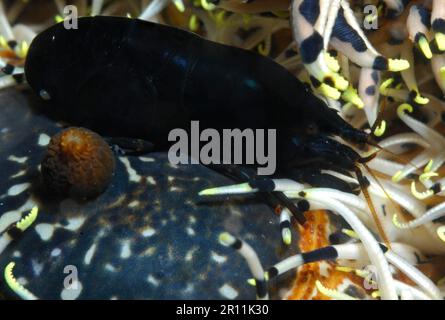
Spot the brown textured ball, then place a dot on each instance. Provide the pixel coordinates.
(78, 163)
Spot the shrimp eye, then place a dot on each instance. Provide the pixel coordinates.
(45, 94)
(312, 129)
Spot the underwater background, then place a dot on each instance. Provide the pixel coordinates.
(155, 230)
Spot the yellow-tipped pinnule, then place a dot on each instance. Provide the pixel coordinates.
(440, 41)
(421, 100)
(193, 23)
(425, 47)
(179, 5)
(380, 130)
(14, 285)
(28, 220)
(331, 62)
(420, 195)
(226, 239)
(441, 233)
(207, 6)
(351, 95)
(350, 233)
(396, 65)
(329, 91)
(287, 236)
(397, 177)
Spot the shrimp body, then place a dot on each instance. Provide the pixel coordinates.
(131, 78)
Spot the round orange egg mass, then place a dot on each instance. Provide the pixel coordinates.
(78, 163)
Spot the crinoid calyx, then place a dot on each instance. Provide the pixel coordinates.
(78, 163)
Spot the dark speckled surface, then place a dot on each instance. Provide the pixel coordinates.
(146, 237)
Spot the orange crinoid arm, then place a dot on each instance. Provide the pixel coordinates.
(313, 235)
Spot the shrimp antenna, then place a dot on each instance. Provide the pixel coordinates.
(373, 143)
(380, 185)
(363, 182)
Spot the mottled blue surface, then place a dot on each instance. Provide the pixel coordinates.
(145, 237)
